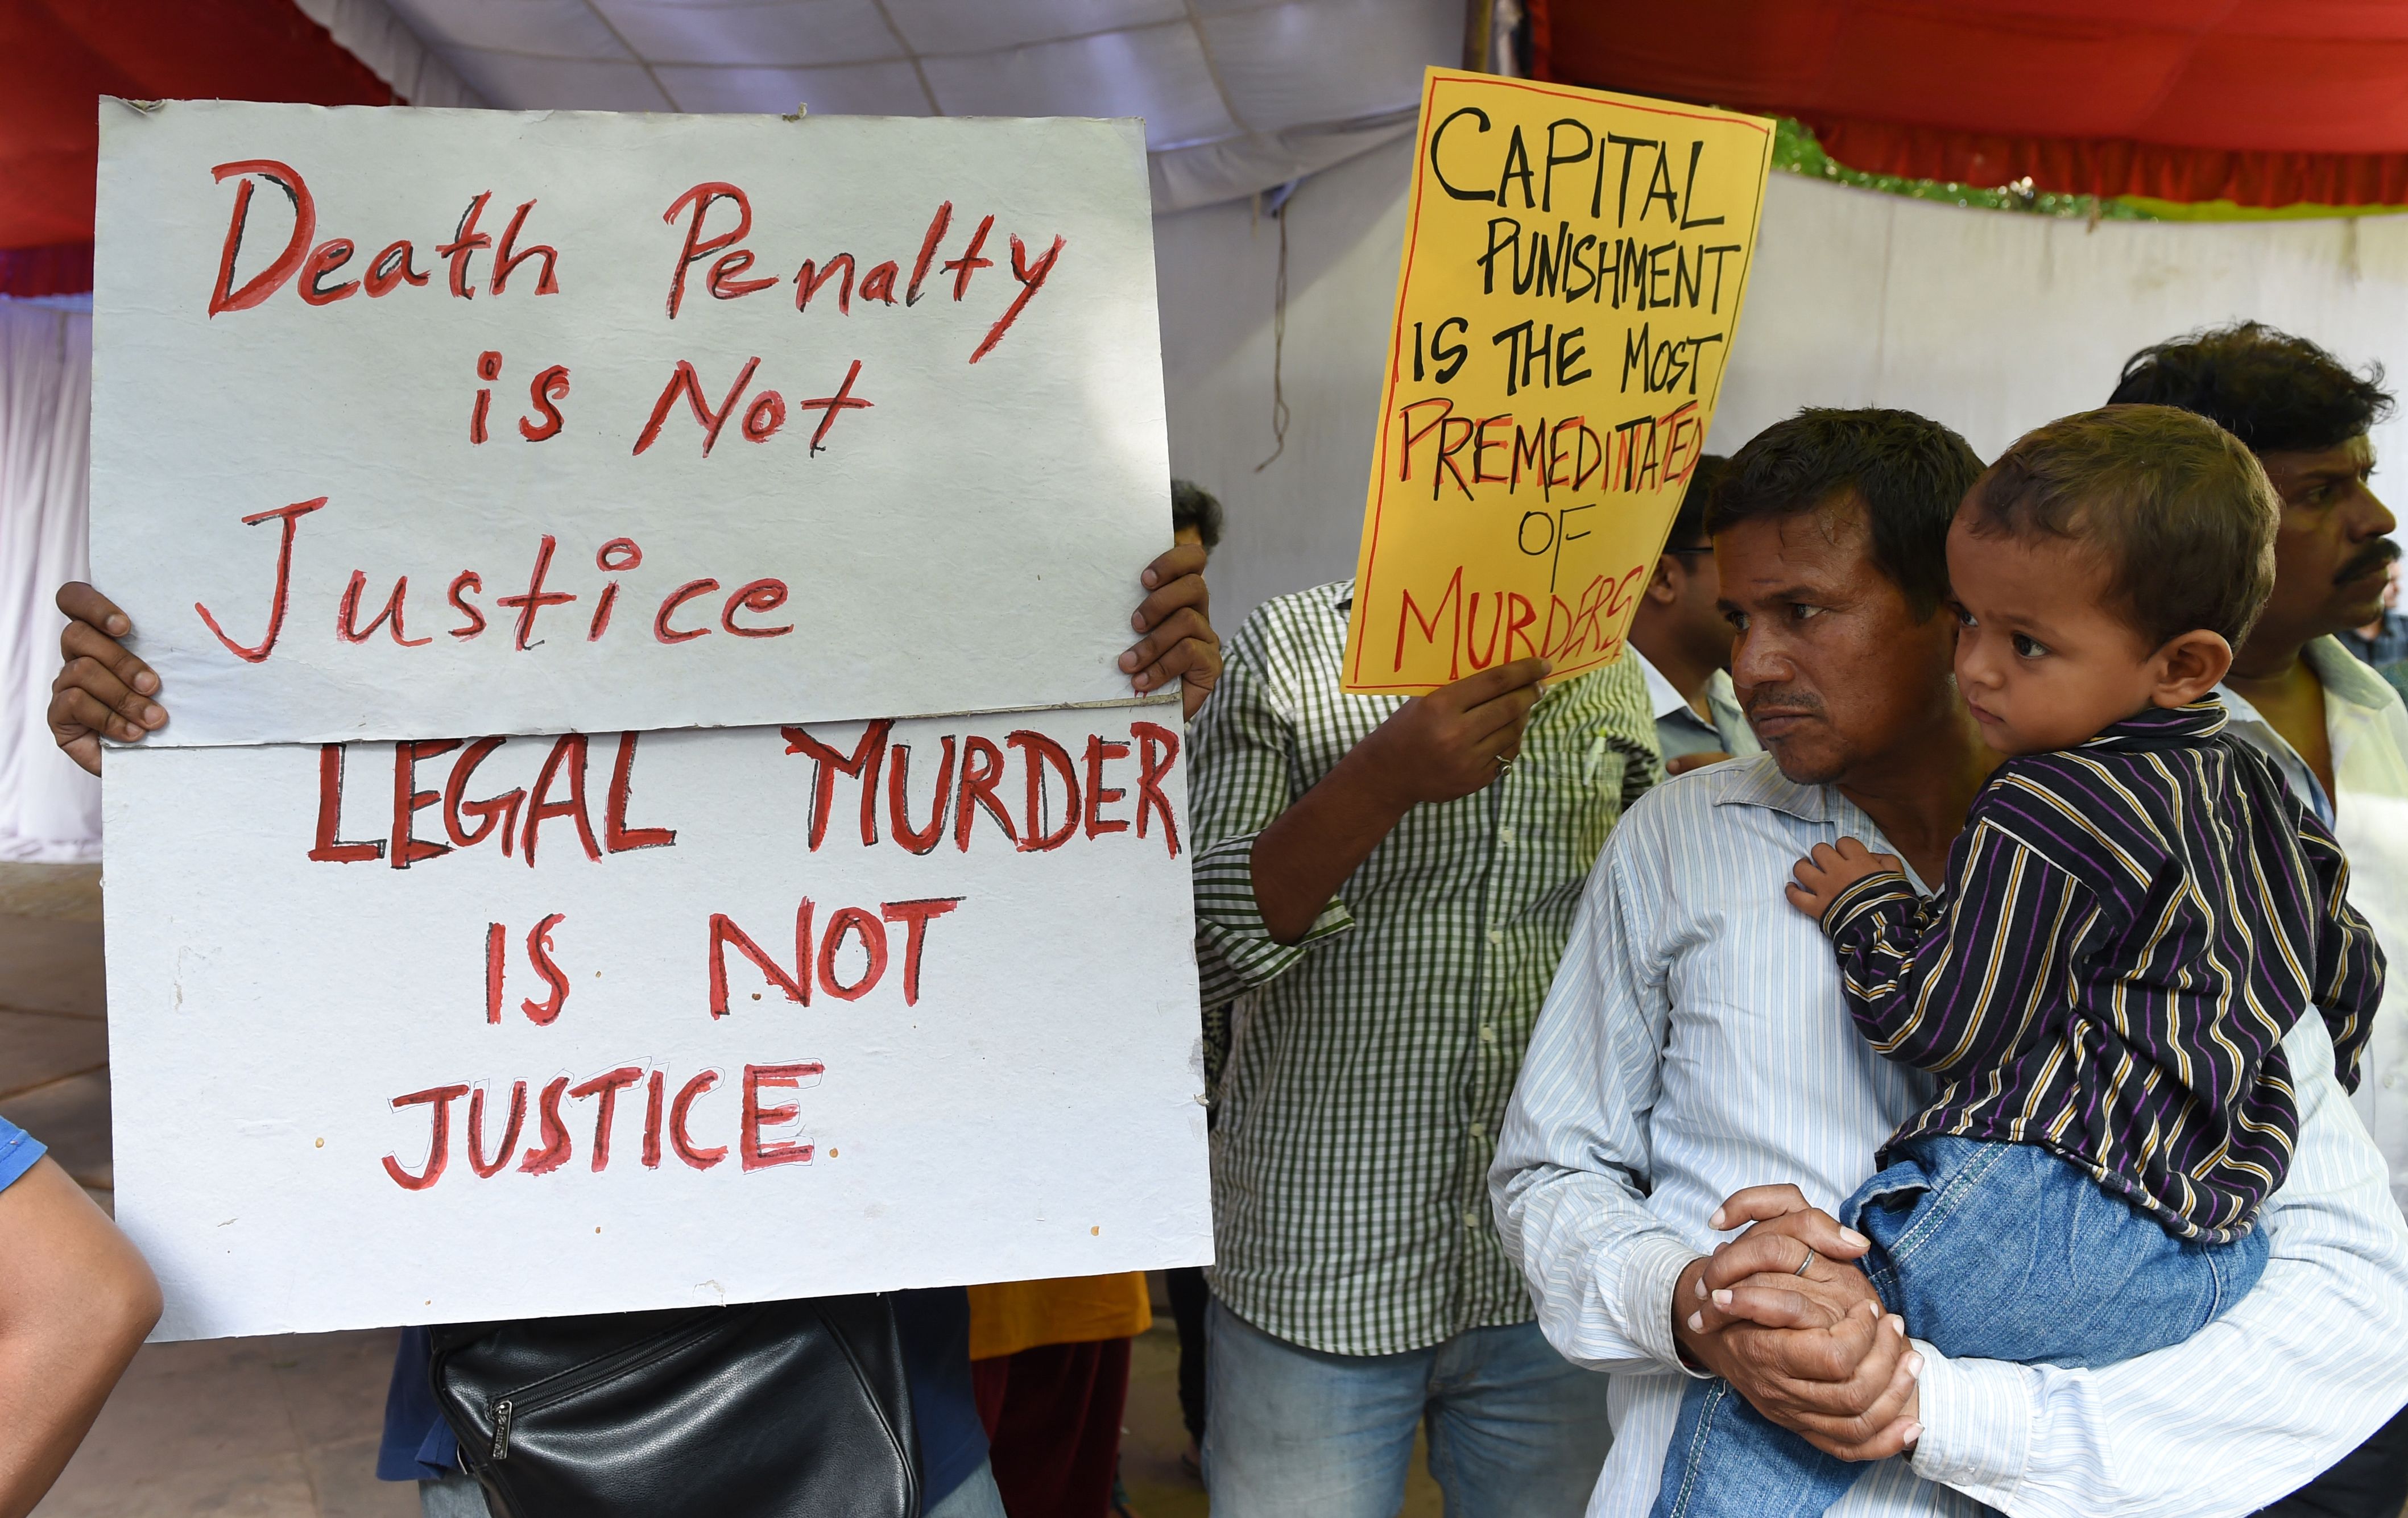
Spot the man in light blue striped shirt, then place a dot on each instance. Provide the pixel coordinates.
(1697, 1042)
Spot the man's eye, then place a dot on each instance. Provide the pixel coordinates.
(2028, 648)
(1800, 613)
(1966, 618)
(1737, 619)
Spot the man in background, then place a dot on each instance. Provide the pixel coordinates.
(1382, 888)
(1683, 641)
(2332, 727)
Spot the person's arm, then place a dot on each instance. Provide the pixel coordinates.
(2248, 1409)
(1434, 748)
(75, 1302)
(1945, 989)
(2349, 973)
(1240, 779)
(105, 691)
(1570, 1177)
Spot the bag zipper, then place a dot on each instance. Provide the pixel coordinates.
(503, 1409)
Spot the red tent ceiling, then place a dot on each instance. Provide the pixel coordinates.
(57, 56)
(2264, 102)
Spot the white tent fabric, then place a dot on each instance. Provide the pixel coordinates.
(1238, 94)
(1991, 321)
(371, 33)
(49, 809)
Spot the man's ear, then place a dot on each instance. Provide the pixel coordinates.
(1663, 585)
(2190, 666)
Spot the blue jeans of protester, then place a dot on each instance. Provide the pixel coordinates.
(1516, 1431)
(2002, 1251)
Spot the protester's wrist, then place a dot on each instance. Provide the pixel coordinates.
(1374, 780)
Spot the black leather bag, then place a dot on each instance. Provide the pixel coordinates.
(771, 1409)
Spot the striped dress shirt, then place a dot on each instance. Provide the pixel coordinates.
(1370, 1063)
(1698, 1039)
(2131, 926)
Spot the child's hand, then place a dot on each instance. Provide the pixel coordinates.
(1831, 869)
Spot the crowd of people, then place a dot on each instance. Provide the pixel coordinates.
(1904, 1040)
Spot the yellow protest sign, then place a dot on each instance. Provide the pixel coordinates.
(1574, 267)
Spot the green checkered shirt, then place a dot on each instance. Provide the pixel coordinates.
(1368, 1067)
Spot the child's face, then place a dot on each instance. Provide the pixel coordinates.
(2042, 659)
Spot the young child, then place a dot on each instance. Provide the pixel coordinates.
(2136, 913)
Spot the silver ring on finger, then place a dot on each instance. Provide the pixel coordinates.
(1503, 764)
(1804, 1264)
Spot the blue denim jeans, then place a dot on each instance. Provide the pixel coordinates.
(1516, 1431)
(2001, 1252)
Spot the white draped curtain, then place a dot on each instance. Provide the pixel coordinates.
(49, 809)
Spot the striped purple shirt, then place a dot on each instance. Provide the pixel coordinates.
(2129, 930)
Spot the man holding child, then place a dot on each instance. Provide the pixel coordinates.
(1696, 1065)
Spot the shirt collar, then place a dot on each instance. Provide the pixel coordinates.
(1662, 695)
(2154, 725)
(1757, 782)
(2343, 674)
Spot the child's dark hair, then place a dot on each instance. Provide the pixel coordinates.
(2179, 507)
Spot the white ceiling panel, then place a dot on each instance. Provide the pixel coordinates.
(1275, 59)
(968, 26)
(561, 83)
(768, 33)
(1236, 95)
(1156, 72)
(890, 88)
(537, 28)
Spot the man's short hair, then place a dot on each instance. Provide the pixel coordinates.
(2177, 508)
(1689, 523)
(2277, 393)
(1910, 471)
(1193, 505)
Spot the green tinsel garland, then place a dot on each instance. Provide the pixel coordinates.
(1796, 150)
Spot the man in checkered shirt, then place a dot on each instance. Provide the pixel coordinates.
(1383, 889)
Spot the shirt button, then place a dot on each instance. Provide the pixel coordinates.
(1478, 1131)
(1471, 1217)
(1496, 934)
(2390, 1083)
(1488, 1032)
(1505, 836)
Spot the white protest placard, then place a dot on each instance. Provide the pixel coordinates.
(412, 422)
(441, 1032)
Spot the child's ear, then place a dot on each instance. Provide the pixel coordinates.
(2190, 666)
